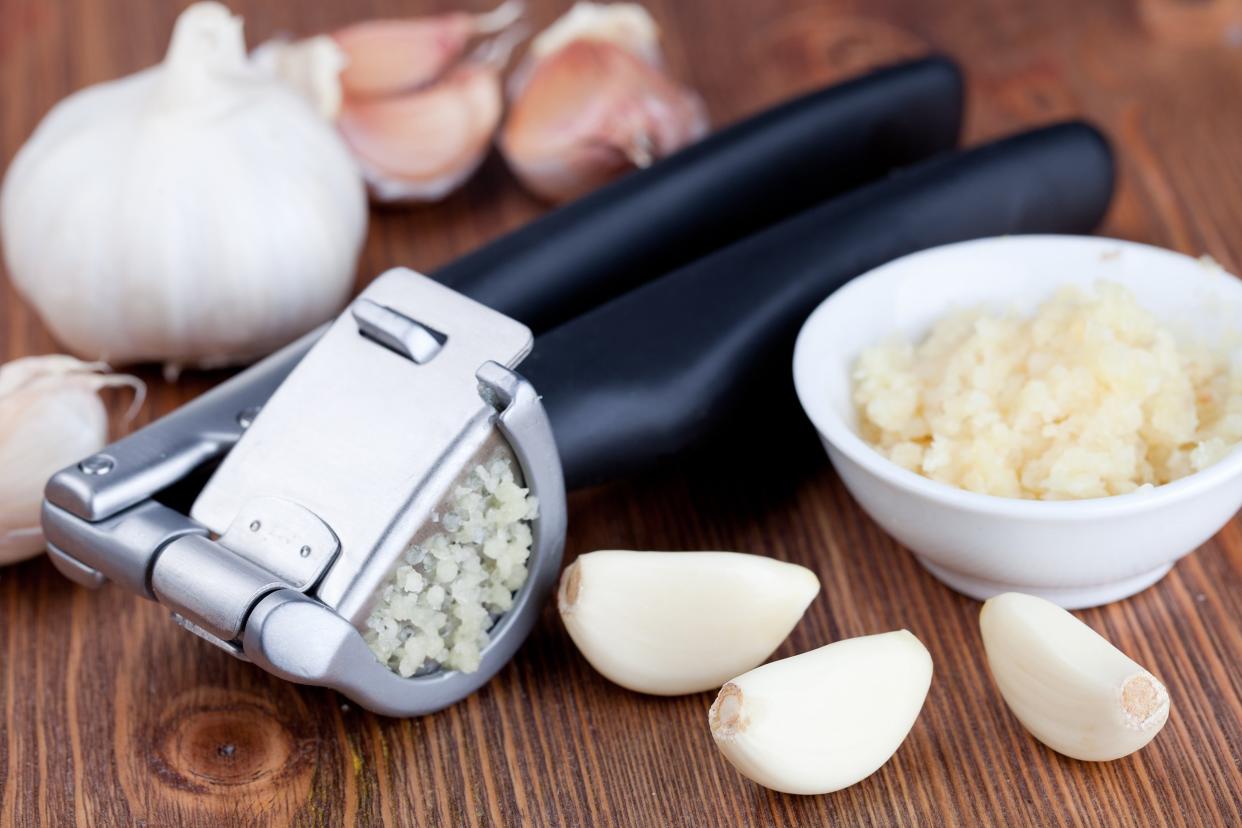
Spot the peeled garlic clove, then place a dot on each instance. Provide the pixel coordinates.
(386, 57)
(669, 623)
(423, 145)
(594, 107)
(50, 417)
(826, 719)
(1071, 688)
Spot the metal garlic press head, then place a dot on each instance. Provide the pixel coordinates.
(327, 467)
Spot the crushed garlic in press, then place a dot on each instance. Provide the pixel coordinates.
(450, 588)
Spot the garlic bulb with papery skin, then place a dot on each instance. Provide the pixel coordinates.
(196, 213)
(50, 417)
(591, 102)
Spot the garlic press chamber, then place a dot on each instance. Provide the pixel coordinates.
(275, 513)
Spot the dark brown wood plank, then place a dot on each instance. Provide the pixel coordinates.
(109, 715)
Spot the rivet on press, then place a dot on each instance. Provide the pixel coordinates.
(98, 464)
(246, 416)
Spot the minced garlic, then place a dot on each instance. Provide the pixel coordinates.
(439, 604)
(1090, 397)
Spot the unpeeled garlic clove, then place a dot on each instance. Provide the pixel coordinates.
(627, 25)
(387, 57)
(592, 102)
(312, 66)
(670, 623)
(1071, 688)
(50, 417)
(421, 146)
(823, 720)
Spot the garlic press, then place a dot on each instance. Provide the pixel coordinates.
(330, 461)
(272, 513)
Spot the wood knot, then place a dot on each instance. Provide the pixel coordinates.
(226, 741)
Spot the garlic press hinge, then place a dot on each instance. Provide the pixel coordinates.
(272, 544)
(100, 517)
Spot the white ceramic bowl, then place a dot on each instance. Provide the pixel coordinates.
(1077, 553)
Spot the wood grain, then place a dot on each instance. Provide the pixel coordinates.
(109, 715)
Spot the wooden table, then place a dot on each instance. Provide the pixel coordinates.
(110, 715)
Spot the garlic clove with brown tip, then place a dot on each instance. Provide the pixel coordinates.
(592, 102)
(669, 623)
(388, 57)
(1071, 688)
(823, 720)
(50, 417)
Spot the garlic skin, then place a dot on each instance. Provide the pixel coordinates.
(591, 102)
(627, 25)
(825, 719)
(1071, 688)
(50, 417)
(197, 213)
(670, 623)
(423, 145)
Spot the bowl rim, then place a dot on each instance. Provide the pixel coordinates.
(839, 435)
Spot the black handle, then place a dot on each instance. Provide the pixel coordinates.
(644, 376)
(729, 185)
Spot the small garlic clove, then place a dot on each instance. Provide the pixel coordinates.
(591, 101)
(387, 57)
(1071, 688)
(421, 146)
(312, 66)
(50, 417)
(670, 623)
(823, 720)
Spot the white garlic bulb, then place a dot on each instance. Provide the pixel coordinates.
(197, 213)
(50, 417)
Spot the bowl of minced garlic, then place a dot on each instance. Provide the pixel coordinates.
(1056, 415)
